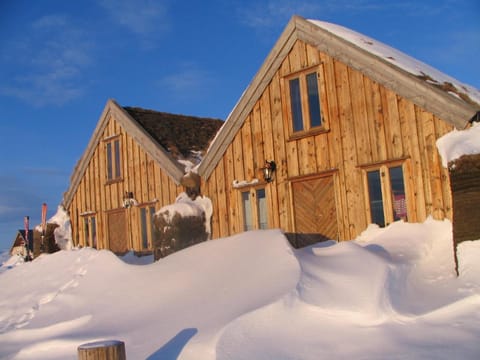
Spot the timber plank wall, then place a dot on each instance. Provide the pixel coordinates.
(366, 124)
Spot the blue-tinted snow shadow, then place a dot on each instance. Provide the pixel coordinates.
(174, 347)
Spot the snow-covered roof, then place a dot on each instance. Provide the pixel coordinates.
(404, 61)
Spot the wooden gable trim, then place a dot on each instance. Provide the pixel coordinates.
(134, 130)
(428, 97)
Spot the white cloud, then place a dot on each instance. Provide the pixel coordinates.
(49, 62)
(147, 19)
(188, 82)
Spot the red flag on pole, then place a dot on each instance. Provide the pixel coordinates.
(44, 219)
(26, 222)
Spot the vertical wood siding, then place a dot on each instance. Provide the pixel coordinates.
(367, 124)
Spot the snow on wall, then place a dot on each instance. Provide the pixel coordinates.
(456, 143)
(63, 233)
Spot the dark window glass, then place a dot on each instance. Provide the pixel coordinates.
(296, 104)
(109, 162)
(143, 222)
(376, 199)
(398, 194)
(313, 100)
(93, 224)
(262, 209)
(152, 225)
(87, 231)
(247, 211)
(117, 159)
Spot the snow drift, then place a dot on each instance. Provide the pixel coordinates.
(392, 293)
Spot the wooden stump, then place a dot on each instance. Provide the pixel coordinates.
(102, 350)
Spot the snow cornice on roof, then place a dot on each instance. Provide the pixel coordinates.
(430, 91)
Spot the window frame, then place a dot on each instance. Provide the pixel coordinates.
(305, 104)
(387, 194)
(90, 234)
(148, 237)
(254, 211)
(113, 159)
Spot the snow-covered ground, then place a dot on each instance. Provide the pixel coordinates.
(392, 293)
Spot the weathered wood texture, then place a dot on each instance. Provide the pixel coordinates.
(102, 350)
(364, 124)
(95, 196)
(464, 173)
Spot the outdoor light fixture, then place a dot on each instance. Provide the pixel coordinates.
(128, 200)
(268, 170)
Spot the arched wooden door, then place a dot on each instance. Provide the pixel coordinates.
(314, 209)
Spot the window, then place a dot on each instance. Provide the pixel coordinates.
(147, 228)
(113, 159)
(90, 231)
(386, 194)
(254, 206)
(305, 108)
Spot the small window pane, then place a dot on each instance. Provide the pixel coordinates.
(109, 162)
(296, 104)
(376, 199)
(313, 100)
(86, 228)
(117, 159)
(93, 224)
(398, 194)
(262, 209)
(247, 211)
(143, 224)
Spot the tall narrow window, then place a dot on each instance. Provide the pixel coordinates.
(255, 212)
(93, 227)
(398, 194)
(90, 231)
(247, 211)
(296, 104)
(143, 224)
(113, 155)
(313, 100)
(147, 230)
(262, 209)
(305, 109)
(386, 194)
(376, 199)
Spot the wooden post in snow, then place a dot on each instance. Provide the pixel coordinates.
(102, 350)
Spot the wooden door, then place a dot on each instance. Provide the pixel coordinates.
(117, 231)
(314, 209)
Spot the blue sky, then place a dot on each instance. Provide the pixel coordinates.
(60, 61)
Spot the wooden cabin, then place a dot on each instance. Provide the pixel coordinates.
(19, 246)
(351, 126)
(348, 124)
(132, 167)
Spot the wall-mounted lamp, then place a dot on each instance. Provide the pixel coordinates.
(128, 200)
(268, 170)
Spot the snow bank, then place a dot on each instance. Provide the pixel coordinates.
(392, 293)
(63, 233)
(456, 143)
